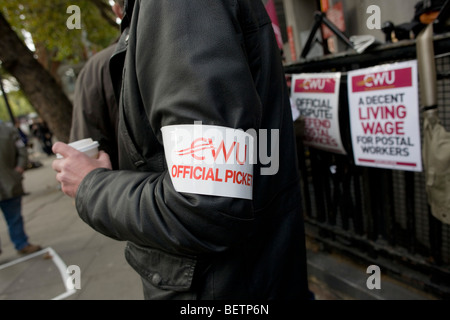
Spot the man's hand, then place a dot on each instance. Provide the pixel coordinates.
(74, 166)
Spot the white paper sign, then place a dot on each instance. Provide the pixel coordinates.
(384, 116)
(210, 160)
(316, 97)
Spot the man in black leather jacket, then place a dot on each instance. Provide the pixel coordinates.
(207, 195)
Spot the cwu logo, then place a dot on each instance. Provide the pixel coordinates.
(199, 145)
(379, 79)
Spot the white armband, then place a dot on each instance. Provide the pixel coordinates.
(209, 160)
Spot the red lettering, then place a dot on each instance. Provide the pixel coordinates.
(237, 155)
(203, 173)
(313, 122)
(382, 112)
(237, 177)
(360, 115)
(196, 176)
(401, 112)
(217, 176)
(383, 128)
(225, 154)
(228, 175)
(210, 174)
(199, 147)
(213, 174)
(249, 180)
(186, 171)
(174, 171)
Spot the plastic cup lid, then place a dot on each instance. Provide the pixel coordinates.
(82, 145)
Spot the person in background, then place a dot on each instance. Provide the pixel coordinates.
(95, 107)
(41, 131)
(13, 162)
(24, 131)
(197, 76)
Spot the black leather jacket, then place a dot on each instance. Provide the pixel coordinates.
(216, 62)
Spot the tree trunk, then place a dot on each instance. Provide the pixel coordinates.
(41, 89)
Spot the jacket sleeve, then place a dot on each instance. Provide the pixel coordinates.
(191, 66)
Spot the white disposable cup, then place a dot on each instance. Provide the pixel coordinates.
(87, 146)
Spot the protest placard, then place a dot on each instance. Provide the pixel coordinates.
(384, 116)
(316, 97)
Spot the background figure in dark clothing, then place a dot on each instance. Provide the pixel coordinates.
(13, 161)
(95, 107)
(41, 131)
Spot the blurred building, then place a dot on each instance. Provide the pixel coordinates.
(296, 18)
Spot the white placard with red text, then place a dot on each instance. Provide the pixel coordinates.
(210, 160)
(384, 116)
(316, 97)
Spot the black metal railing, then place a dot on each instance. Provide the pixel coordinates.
(377, 215)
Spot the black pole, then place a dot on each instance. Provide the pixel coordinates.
(13, 120)
(318, 17)
(337, 32)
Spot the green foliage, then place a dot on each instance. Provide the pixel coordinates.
(19, 104)
(46, 21)
(16, 98)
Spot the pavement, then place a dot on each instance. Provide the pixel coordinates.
(78, 263)
(70, 249)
